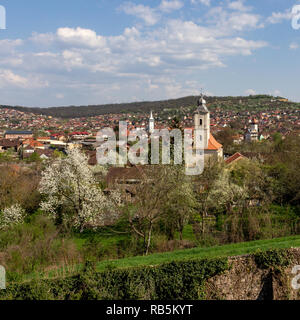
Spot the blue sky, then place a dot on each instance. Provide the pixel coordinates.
(110, 51)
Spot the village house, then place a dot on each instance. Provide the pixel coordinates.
(18, 134)
(235, 158)
(6, 144)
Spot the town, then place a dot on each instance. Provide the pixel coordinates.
(62, 209)
(149, 153)
(30, 136)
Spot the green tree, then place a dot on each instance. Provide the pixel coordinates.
(180, 202)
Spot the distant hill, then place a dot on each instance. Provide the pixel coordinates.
(227, 103)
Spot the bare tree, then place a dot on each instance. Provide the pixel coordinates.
(204, 185)
(181, 202)
(146, 209)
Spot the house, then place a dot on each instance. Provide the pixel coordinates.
(235, 158)
(126, 179)
(45, 154)
(6, 144)
(126, 175)
(18, 134)
(27, 151)
(33, 144)
(79, 135)
(238, 138)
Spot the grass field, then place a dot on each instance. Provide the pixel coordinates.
(196, 253)
(187, 254)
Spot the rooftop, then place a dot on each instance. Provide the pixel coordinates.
(18, 132)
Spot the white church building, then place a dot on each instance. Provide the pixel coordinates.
(251, 134)
(212, 148)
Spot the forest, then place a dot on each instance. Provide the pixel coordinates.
(255, 102)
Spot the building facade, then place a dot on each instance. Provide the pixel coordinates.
(252, 133)
(212, 148)
(18, 135)
(151, 123)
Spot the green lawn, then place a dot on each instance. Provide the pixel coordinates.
(187, 254)
(195, 253)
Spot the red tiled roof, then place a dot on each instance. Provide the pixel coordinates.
(235, 157)
(32, 143)
(79, 133)
(213, 144)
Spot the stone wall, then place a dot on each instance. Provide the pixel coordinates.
(246, 281)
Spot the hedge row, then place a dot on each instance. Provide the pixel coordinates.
(169, 281)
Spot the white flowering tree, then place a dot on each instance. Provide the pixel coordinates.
(72, 195)
(12, 215)
(225, 194)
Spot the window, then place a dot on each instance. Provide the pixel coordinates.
(200, 122)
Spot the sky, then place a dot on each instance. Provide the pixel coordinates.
(63, 52)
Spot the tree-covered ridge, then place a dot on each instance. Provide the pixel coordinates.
(255, 102)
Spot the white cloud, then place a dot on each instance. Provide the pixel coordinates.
(59, 96)
(276, 93)
(9, 78)
(294, 46)
(9, 46)
(170, 5)
(244, 21)
(205, 2)
(42, 38)
(80, 37)
(279, 17)
(239, 6)
(82, 60)
(235, 21)
(84, 65)
(250, 92)
(149, 15)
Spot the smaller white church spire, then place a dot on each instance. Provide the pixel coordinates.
(151, 123)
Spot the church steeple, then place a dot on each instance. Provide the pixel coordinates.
(151, 123)
(202, 119)
(201, 105)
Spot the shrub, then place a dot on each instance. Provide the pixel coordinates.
(12, 215)
(275, 258)
(33, 246)
(172, 281)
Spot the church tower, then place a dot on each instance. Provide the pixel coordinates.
(151, 123)
(212, 148)
(202, 120)
(252, 133)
